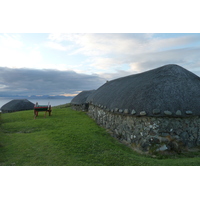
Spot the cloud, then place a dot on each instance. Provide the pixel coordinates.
(58, 46)
(10, 41)
(185, 57)
(115, 75)
(122, 44)
(103, 44)
(45, 82)
(107, 52)
(14, 53)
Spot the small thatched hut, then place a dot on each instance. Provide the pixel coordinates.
(157, 109)
(79, 101)
(17, 105)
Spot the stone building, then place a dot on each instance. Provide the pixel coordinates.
(79, 101)
(17, 105)
(157, 110)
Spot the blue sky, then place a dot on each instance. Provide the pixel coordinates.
(89, 58)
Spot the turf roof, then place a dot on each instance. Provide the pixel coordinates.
(167, 88)
(81, 97)
(17, 105)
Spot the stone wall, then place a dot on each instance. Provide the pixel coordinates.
(80, 107)
(150, 134)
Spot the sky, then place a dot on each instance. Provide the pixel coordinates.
(67, 63)
(63, 48)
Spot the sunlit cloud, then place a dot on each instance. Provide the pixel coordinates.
(10, 41)
(58, 46)
(15, 54)
(69, 95)
(107, 52)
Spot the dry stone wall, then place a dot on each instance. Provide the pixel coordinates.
(150, 134)
(80, 107)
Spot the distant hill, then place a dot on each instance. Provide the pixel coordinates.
(37, 97)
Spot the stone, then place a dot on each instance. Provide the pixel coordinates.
(143, 113)
(167, 112)
(133, 112)
(120, 110)
(184, 135)
(188, 112)
(154, 140)
(164, 134)
(131, 137)
(116, 109)
(162, 148)
(116, 131)
(190, 144)
(126, 111)
(156, 111)
(178, 112)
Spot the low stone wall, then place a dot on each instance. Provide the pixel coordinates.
(80, 107)
(150, 133)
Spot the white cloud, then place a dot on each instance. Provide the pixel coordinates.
(185, 57)
(159, 43)
(103, 63)
(17, 58)
(108, 51)
(102, 44)
(58, 46)
(10, 41)
(14, 53)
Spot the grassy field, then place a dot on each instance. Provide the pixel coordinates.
(70, 138)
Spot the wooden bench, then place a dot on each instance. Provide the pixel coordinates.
(39, 108)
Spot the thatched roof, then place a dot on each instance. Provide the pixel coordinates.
(167, 88)
(17, 105)
(81, 97)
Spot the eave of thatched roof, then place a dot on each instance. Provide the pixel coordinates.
(167, 88)
(81, 97)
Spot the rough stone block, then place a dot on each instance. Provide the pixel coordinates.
(188, 112)
(133, 112)
(126, 111)
(116, 109)
(178, 112)
(156, 111)
(167, 112)
(143, 113)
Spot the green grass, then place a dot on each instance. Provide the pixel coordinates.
(70, 138)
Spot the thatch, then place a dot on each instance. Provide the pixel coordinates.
(81, 97)
(167, 88)
(17, 105)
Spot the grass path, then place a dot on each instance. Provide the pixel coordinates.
(69, 138)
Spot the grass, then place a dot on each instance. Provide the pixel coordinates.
(70, 138)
